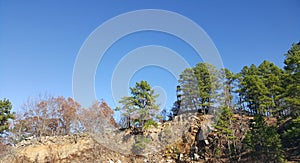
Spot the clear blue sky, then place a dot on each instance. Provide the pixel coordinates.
(39, 40)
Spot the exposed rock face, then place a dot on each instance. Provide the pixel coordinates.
(184, 139)
(74, 148)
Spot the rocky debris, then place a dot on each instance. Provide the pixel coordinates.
(69, 148)
(184, 139)
(48, 140)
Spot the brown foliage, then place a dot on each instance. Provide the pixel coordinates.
(97, 118)
(46, 116)
(67, 113)
(49, 116)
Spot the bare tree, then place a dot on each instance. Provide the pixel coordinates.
(46, 115)
(97, 118)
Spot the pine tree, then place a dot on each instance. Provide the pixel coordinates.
(199, 87)
(227, 79)
(260, 88)
(272, 78)
(176, 108)
(290, 122)
(225, 136)
(141, 107)
(128, 110)
(263, 142)
(190, 90)
(208, 83)
(5, 115)
(225, 139)
(292, 81)
(291, 136)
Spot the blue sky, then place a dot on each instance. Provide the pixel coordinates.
(39, 40)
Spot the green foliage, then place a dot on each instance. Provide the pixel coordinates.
(141, 106)
(252, 89)
(267, 90)
(264, 142)
(271, 76)
(199, 87)
(140, 144)
(176, 105)
(224, 132)
(150, 123)
(172, 152)
(228, 81)
(292, 81)
(292, 64)
(292, 134)
(289, 110)
(208, 84)
(189, 87)
(224, 122)
(260, 88)
(264, 90)
(5, 115)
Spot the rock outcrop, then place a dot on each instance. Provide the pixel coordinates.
(184, 139)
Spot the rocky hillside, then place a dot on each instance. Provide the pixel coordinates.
(187, 138)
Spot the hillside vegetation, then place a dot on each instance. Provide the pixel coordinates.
(219, 116)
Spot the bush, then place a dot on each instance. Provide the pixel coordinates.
(150, 123)
(140, 144)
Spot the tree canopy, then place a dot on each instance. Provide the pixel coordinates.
(140, 108)
(5, 114)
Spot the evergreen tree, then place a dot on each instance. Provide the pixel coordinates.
(5, 115)
(199, 87)
(128, 111)
(141, 107)
(225, 145)
(290, 122)
(208, 83)
(272, 78)
(292, 81)
(291, 136)
(190, 90)
(224, 142)
(260, 88)
(263, 142)
(227, 79)
(176, 108)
